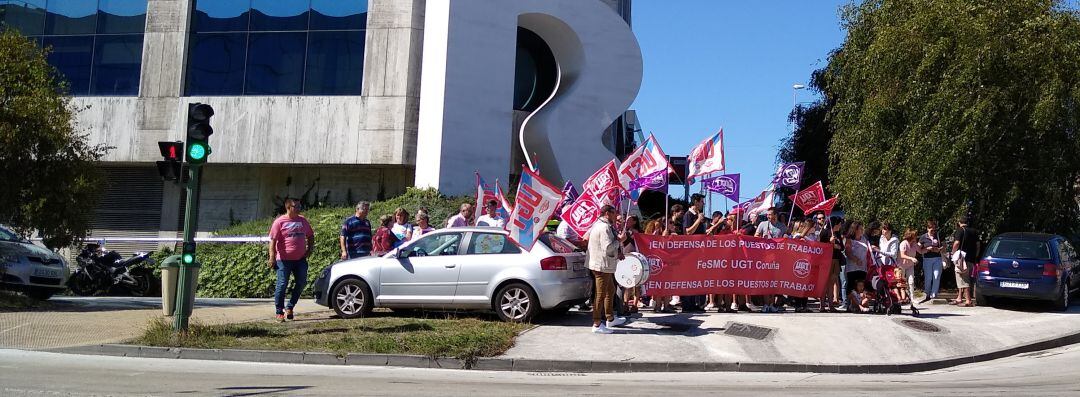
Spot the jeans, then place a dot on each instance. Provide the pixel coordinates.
(931, 276)
(603, 301)
(843, 285)
(298, 270)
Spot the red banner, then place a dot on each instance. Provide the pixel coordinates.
(734, 264)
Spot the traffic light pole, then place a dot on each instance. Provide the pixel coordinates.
(191, 219)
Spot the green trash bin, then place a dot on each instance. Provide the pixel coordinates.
(170, 272)
(170, 277)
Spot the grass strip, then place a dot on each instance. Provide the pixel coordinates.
(12, 301)
(462, 338)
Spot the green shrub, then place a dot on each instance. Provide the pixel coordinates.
(240, 271)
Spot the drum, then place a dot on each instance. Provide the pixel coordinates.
(632, 271)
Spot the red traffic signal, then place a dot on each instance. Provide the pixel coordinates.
(171, 151)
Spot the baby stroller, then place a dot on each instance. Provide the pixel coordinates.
(885, 280)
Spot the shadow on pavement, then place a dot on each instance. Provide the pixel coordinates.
(107, 304)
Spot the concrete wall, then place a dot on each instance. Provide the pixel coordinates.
(365, 143)
(466, 113)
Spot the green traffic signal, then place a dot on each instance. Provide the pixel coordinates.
(197, 151)
(188, 259)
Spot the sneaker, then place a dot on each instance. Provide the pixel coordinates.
(281, 317)
(675, 301)
(710, 306)
(616, 322)
(601, 329)
(288, 314)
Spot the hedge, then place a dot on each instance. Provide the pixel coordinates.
(240, 271)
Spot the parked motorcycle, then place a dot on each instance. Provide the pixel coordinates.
(109, 272)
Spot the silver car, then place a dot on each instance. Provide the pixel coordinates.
(33, 270)
(472, 268)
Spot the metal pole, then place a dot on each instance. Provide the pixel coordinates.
(191, 219)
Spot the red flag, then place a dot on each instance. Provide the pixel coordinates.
(809, 197)
(707, 157)
(825, 206)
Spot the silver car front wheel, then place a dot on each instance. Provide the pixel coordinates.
(351, 299)
(516, 303)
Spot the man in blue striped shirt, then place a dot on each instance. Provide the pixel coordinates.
(356, 234)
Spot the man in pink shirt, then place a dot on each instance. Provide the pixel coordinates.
(291, 239)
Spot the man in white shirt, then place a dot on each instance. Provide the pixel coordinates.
(463, 217)
(604, 254)
(491, 218)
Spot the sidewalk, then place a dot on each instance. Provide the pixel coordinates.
(940, 332)
(75, 321)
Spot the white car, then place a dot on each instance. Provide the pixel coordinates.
(471, 268)
(33, 270)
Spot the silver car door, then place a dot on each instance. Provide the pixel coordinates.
(424, 273)
(485, 256)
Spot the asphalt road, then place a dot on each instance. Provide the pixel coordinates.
(28, 373)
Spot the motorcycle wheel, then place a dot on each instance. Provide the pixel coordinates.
(142, 284)
(82, 284)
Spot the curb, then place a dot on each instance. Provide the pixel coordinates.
(530, 365)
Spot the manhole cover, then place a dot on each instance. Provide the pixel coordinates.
(920, 325)
(747, 331)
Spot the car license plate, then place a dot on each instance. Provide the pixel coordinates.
(579, 265)
(46, 273)
(1010, 284)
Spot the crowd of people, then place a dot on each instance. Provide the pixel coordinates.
(860, 251)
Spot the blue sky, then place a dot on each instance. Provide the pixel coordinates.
(730, 64)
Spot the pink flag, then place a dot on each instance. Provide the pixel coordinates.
(809, 197)
(752, 208)
(707, 157)
(582, 213)
(601, 181)
(535, 202)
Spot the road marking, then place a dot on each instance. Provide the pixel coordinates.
(12, 328)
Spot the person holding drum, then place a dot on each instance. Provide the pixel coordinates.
(604, 254)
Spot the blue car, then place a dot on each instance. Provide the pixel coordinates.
(1028, 266)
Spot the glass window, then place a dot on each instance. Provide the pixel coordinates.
(436, 245)
(26, 16)
(216, 64)
(558, 244)
(221, 15)
(338, 15)
(275, 64)
(72, 57)
(1019, 249)
(121, 16)
(279, 53)
(335, 63)
(489, 243)
(116, 65)
(71, 17)
(280, 14)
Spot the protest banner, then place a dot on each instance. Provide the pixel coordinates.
(734, 264)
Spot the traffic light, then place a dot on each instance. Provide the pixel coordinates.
(170, 168)
(198, 133)
(187, 255)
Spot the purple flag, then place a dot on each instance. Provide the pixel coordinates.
(727, 185)
(654, 181)
(570, 195)
(789, 175)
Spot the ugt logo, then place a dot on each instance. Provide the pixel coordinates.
(790, 174)
(723, 185)
(801, 268)
(656, 265)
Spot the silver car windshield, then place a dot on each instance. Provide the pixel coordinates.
(8, 235)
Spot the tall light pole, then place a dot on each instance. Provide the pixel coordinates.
(795, 100)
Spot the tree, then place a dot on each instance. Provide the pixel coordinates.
(946, 108)
(809, 141)
(49, 172)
